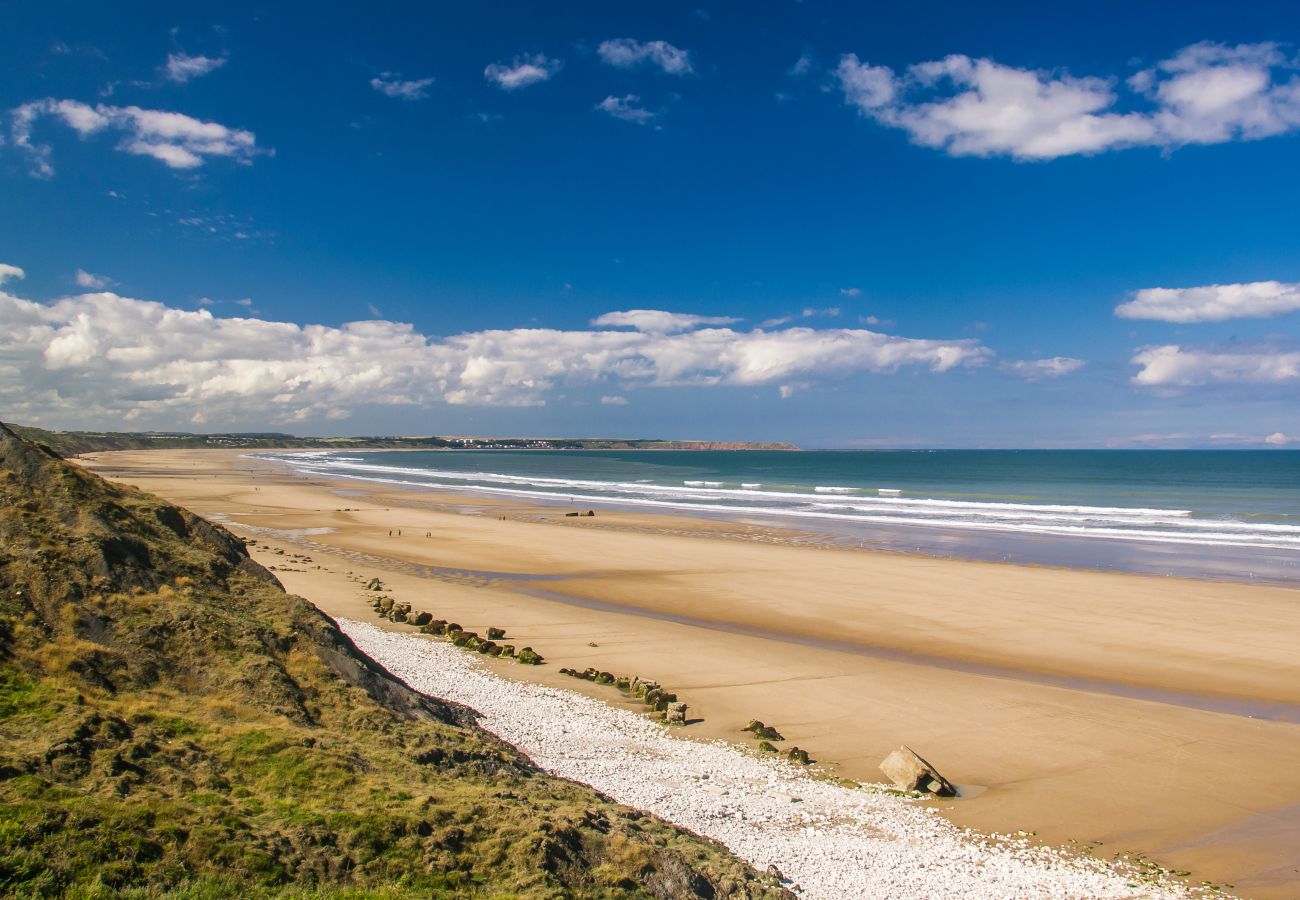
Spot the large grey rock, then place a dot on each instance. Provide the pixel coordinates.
(905, 768)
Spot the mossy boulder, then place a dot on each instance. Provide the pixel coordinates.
(766, 747)
(766, 732)
(604, 678)
(420, 619)
(530, 657)
(795, 755)
(487, 647)
(496, 634)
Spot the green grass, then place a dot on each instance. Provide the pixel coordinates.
(173, 724)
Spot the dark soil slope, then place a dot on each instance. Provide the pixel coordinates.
(172, 721)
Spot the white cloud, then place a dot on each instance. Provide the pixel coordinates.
(626, 53)
(802, 66)
(1206, 93)
(1213, 303)
(1042, 369)
(391, 84)
(94, 282)
(181, 67)
(851, 292)
(658, 321)
(627, 108)
(806, 313)
(177, 140)
(522, 71)
(97, 358)
(613, 400)
(7, 271)
(1175, 366)
(1277, 439)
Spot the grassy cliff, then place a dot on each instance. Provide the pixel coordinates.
(173, 722)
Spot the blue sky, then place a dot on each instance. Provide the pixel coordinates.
(936, 225)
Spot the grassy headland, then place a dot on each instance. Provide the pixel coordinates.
(172, 721)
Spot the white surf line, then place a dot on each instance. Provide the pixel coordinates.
(830, 841)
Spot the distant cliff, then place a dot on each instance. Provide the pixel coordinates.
(72, 443)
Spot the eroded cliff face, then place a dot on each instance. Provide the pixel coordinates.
(170, 719)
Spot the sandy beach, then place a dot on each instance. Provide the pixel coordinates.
(1156, 715)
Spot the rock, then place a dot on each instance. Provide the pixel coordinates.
(496, 634)
(766, 732)
(912, 773)
(439, 626)
(530, 657)
(399, 616)
(766, 747)
(385, 604)
(622, 683)
(604, 678)
(590, 674)
(507, 649)
(420, 619)
(488, 647)
(795, 755)
(452, 626)
(675, 714)
(571, 515)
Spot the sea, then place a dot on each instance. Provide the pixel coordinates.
(1220, 514)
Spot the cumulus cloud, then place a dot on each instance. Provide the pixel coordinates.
(181, 67)
(627, 108)
(1043, 369)
(391, 84)
(1277, 439)
(100, 357)
(7, 271)
(177, 140)
(93, 282)
(1213, 303)
(1206, 93)
(1174, 366)
(626, 53)
(522, 71)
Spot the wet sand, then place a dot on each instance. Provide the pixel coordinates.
(1151, 714)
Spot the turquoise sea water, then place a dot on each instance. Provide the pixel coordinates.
(1232, 514)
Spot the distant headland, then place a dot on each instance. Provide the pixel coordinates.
(71, 443)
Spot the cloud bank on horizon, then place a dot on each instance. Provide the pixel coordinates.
(103, 357)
